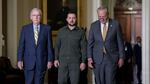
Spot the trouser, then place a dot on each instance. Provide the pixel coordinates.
(139, 69)
(34, 76)
(69, 71)
(105, 72)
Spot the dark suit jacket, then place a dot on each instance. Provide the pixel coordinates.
(113, 42)
(138, 54)
(32, 54)
(128, 51)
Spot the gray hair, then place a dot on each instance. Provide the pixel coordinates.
(36, 9)
(102, 7)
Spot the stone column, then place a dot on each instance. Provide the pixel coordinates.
(146, 41)
(92, 6)
(12, 31)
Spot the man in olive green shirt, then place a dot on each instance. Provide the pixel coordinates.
(70, 51)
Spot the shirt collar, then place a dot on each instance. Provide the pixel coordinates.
(76, 28)
(34, 26)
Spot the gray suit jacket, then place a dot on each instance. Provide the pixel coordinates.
(113, 42)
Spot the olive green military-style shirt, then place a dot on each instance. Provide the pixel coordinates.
(71, 45)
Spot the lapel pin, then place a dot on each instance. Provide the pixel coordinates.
(110, 25)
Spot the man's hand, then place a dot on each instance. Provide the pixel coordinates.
(20, 65)
(82, 66)
(56, 63)
(120, 62)
(49, 65)
(90, 62)
(129, 60)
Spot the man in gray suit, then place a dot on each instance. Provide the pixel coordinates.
(105, 47)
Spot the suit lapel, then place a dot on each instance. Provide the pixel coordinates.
(31, 33)
(40, 34)
(99, 30)
(109, 29)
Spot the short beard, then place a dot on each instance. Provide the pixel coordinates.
(71, 24)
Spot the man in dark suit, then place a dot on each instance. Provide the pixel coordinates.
(125, 73)
(35, 49)
(105, 47)
(138, 58)
(70, 51)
